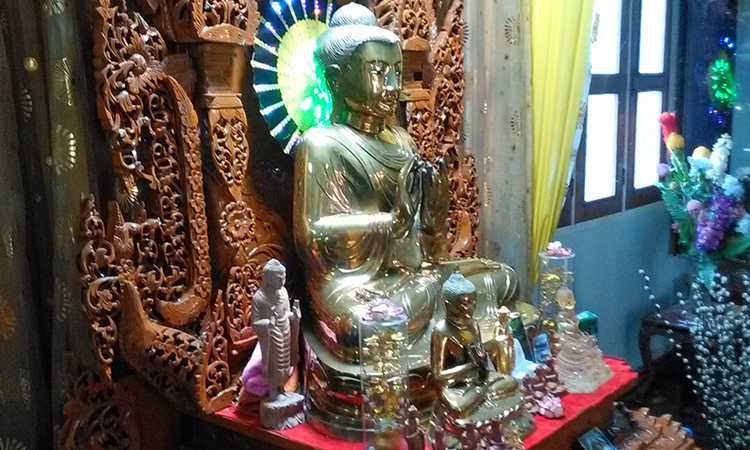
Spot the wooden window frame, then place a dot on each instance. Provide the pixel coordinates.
(626, 84)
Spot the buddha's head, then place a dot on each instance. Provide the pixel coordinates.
(362, 63)
(460, 297)
(274, 275)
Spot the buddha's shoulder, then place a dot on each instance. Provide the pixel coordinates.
(323, 137)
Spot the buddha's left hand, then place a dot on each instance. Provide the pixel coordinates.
(436, 198)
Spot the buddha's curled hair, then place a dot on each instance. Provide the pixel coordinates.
(351, 26)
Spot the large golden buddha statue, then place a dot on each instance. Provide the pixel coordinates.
(371, 219)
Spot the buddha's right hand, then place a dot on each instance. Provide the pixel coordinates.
(408, 196)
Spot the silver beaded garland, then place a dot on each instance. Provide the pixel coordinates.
(721, 367)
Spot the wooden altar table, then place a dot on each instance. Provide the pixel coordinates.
(582, 411)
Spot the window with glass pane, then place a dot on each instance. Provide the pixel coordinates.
(647, 138)
(605, 47)
(632, 44)
(601, 147)
(653, 27)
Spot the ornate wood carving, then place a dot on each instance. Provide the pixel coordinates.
(153, 295)
(464, 211)
(433, 97)
(153, 136)
(233, 21)
(657, 433)
(97, 413)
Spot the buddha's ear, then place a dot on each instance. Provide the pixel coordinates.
(333, 78)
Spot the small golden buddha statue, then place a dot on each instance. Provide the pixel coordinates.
(370, 220)
(470, 390)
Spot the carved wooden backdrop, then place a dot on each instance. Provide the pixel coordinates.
(170, 277)
(432, 37)
(169, 273)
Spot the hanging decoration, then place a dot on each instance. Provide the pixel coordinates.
(720, 81)
(291, 88)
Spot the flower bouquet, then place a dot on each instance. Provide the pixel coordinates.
(707, 205)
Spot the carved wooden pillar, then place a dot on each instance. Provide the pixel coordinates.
(245, 233)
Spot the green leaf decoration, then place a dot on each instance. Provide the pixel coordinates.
(735, 246)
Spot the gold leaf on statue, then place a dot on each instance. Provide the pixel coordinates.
(7, 320)
(63, 84)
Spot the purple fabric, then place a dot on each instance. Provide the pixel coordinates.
(252, 375)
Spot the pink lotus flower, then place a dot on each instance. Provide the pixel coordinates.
(381, 310)
(694, 206)
(556, 249)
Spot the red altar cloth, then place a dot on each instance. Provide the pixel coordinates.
(582, 411)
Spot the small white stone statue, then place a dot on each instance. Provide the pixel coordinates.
(278, 332)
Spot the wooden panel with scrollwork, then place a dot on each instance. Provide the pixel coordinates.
(228, 21)
(148, 273)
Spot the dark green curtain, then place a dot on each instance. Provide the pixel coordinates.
(45, 120)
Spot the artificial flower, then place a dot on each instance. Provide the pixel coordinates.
(732, 186)
(694, 206)
(556, 249)
(711, 227)
(701, 152)
(668, 122)
(675, 141)
(381, 310)
(720, 158)
(698, 165)
(743, 225)
(662, 170)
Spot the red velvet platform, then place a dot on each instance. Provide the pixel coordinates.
(582, 411)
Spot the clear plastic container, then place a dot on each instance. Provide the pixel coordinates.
(383, 341)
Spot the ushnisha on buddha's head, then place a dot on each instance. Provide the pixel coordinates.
(274, 275)
(460, 297)
(362, 63)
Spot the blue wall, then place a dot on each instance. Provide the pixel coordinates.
(609, 253)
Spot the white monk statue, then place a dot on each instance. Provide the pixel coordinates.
(277, 328)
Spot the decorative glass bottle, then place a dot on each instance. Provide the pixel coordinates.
(383, 340)
(556, 272)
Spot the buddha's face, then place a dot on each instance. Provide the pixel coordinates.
(461, 308)
(274, 280)
(370, 81)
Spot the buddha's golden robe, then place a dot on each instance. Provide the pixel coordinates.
(345, 192)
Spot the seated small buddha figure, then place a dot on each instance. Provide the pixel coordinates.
(370, 215)
(470, 390)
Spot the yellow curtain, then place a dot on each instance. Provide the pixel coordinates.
(560, 36)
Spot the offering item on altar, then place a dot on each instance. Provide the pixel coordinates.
(502, 349)
(370, 220)
(580, 364)
(278, 331)
(469, 389)
(542, 391)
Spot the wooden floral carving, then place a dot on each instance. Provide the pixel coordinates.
(97, 413)
(153, 137)
(228, 21)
